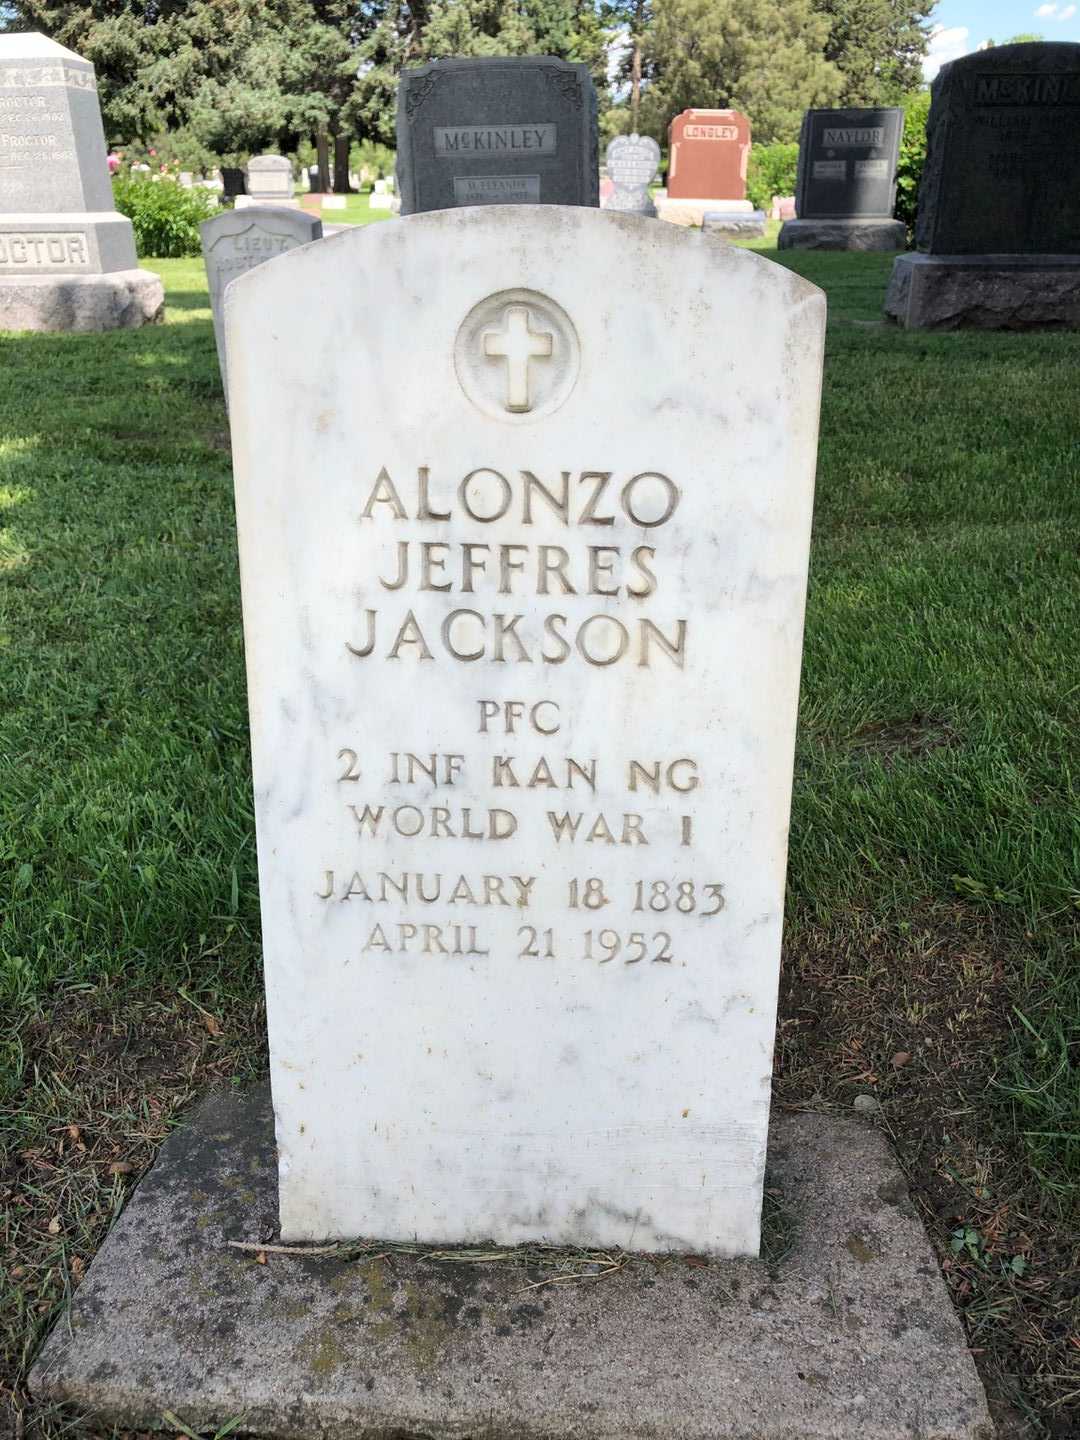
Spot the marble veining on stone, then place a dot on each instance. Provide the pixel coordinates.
(524, 562)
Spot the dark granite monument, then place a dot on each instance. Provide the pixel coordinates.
(847, 182)
(999, 206)
(497, 131)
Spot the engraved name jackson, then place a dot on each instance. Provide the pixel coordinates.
(596, 508)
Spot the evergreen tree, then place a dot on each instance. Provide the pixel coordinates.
(763, 57)
(412, 33)
(878, 46)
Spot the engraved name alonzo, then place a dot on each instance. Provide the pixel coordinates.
(523, 348)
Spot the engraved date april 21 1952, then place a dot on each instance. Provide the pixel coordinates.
(626, 945)
(407, 937)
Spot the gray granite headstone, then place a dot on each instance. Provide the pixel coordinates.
(58, 224)
(846, 187)
(632, 164)
(235, 241)
(999, 207)
(847, 164)
(1002, 171)
(497, 131)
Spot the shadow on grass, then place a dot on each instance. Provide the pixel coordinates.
(156, 387)
(187, 300)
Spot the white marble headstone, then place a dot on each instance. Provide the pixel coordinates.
(524, 564)
(236, 241)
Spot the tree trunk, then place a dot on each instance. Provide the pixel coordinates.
(322, 151)
(418, 18)
(635, 84)
(341, 164)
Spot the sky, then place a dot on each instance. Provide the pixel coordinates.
(959, 26)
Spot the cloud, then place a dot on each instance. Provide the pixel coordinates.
(1045, 11)
(1067, 13)
(947, 42)
(617, 51)
(1055, 12)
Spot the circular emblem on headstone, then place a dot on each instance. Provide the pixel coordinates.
(517, 355)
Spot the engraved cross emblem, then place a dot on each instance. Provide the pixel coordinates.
(517, 345)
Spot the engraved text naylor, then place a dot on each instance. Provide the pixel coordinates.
(838, 138)
(595, 505)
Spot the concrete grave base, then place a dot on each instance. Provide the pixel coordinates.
(985, 292)
(692, 212)
(739, 226)
(843, 235)
(846, 1331)
(81, 304)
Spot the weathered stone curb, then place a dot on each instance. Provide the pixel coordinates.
(849, 1334)
(985, 292)
(82, 304)
(842, 235)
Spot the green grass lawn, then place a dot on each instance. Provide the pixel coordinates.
(930, 954)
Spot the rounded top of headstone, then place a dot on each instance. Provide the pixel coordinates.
(269, 162)
(471, 62)
(689, 120)
(32, 45)
(710, 114)
(1056, 52)
(1028, 58)
(633, 159)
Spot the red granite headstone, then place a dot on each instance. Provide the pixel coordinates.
(709, 154)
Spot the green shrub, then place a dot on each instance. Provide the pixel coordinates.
(771, 171)
(912, 157)
(165, 216)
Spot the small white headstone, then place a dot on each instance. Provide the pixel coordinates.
(524, 568)
(632, 164)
